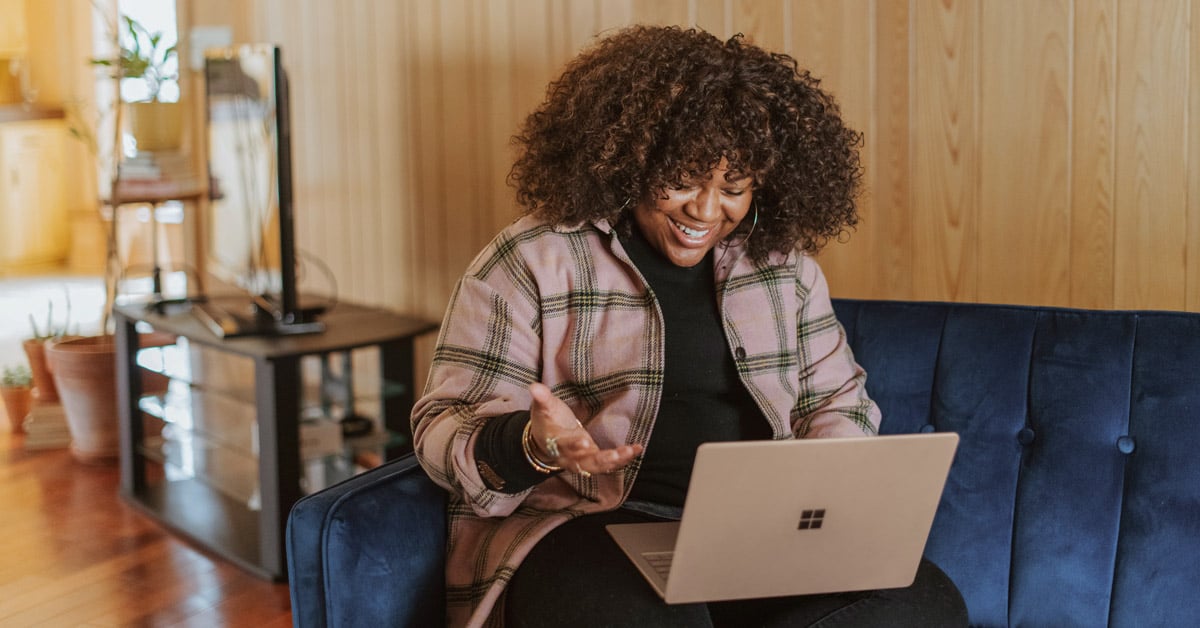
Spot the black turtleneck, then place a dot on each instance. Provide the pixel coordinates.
(703, 399)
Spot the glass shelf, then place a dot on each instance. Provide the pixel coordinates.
(184, 457)
(233, 375)
(211, 417)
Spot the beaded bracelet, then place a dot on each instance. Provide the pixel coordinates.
(527, 446)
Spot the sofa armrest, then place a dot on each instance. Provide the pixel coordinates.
(370, 551)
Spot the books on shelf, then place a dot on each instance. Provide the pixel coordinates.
(46, 427)
(156, 175)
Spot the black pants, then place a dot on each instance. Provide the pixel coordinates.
(577, 576)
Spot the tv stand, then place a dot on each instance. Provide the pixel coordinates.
(250, 424)
(231, 318)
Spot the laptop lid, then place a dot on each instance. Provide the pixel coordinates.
(797, 517)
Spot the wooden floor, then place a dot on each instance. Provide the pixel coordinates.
(73, 554)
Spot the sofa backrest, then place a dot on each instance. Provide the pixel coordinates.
(1074, 498)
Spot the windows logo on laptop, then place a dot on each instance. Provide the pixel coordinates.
(811, 519)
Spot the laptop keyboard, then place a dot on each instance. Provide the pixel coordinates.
(660, 562)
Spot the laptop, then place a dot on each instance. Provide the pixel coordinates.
(796, 517)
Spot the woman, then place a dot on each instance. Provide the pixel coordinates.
(658, 293)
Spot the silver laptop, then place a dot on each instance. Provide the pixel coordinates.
(796, 517)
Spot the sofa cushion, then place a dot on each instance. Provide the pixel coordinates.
(1076, 482)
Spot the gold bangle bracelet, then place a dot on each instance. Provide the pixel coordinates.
(527, 446)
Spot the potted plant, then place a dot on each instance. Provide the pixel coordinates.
(44, 388)
(156, 125)
(16, 388)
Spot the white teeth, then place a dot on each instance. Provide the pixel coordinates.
(691, 233)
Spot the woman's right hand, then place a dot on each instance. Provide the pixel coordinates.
(551, 418)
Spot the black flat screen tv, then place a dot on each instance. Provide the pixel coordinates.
(250, 236)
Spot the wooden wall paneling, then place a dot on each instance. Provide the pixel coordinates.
(1093, 126)
(533, 67)
(714, 16)
(305, 89)
(368, 120)
(1193, 161)
(762, 21)
(1024, 215)
(463, 235)
(501, 121)
(579, 27)
(889, 212)
(664, 12)
(612, 15)
(483, 208)
(344, 209)
(945, 149)
(834, 41)
(558, 25)
(430, 182)
(403, 114)
(326, 171)
(391, 162)
(1152, 183)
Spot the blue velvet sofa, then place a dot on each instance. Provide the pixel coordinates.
(1074, 498)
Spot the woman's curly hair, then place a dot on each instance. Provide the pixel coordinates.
(649, 106)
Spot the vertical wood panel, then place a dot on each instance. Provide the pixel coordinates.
(580, 25)
(305, 108)
(428, 146)
(531, 64)
(834, 40)
(368, 126)
(613, 14)
(1151, 159)
(1193, 162)
(322, 181)
(502, 118)
(889, 192)
(393, 283)
(459, 134)
(945, 150)
(1024, 216)
(761, 21)
(1093, 120)
(662, 12)
(326, 185)
(714, 16)
(347, 242)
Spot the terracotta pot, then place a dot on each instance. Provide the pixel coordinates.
(85, 373)
(17, 401)
(43, 383)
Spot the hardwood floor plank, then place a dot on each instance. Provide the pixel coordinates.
(72, 553)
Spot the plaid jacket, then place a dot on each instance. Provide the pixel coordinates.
(567, 307)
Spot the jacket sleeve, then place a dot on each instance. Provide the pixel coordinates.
(486, 356)
(833, 398)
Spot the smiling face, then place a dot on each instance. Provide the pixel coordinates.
(688, 220)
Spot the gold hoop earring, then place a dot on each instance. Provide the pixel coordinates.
(751, 231)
